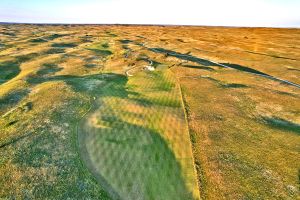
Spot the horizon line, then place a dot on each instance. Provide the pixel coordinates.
(133, 24)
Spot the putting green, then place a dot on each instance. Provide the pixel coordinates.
(135, 139)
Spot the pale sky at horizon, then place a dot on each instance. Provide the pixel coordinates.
(266, 13)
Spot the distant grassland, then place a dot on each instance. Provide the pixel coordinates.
(82, 116)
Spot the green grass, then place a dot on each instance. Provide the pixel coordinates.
(38, 40)
(136, 151)
(47, 151)
(55, 51)
(285, 125)
(8, 71)
(48, 68)
(64, 45)
(101, 49)
(54, 36)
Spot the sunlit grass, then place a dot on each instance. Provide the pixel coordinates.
(138, 145)
(73, 125)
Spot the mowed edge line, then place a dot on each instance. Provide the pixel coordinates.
(187, 126)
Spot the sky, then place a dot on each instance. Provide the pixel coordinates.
(254, 13)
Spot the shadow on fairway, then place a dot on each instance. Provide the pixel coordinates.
(83, 84)
(130, 161)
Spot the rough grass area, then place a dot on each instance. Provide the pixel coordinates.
(240, 154)
(41, 160)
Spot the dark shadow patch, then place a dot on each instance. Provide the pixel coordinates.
(12, 99)
(282, 124)
(13, 140)
(150, 61)
(27, 107)
(201, 50)
(127, 52)
(101, 52)
(180, 40)
(111, 34)
(26, 57)
(147, 59)
(125, 47)
(5, 46)
(8, 34)
(142, 56)
(245, 69)
(253, 71)
(125, 41)
(90, 58)
(234, 85)
(205, 62)
(85, 40)
(199, 67)
(64, 45)
(142, 101)
(8, 70)
(211, 79)
(55, 51)
(11, 123)
(158, 162)
(292, 69)
(90, 65)
(269, 55)
(286, 93)
(38, 40)
(154, 63)
(224, 65)
(54, 36)
(79, 83)
(101, 49)
(139, 44)
(183, 56)
(48, 68)
(223, 84)
(105, 45)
